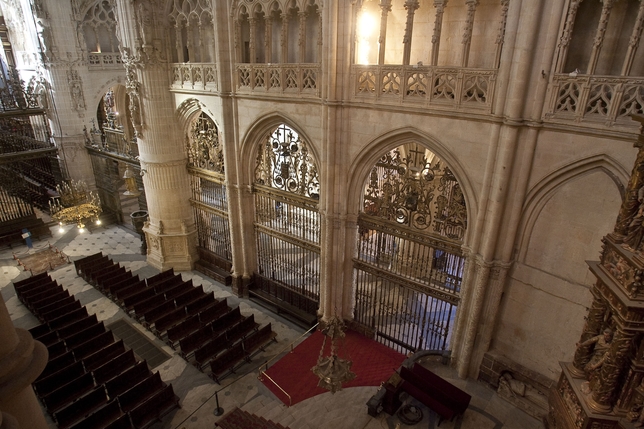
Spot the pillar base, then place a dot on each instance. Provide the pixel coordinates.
(176, 251)
(576, 372)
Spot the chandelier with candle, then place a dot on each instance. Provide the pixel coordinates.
(332, 370)
(76, 204)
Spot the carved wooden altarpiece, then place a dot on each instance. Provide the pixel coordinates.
(610, 396)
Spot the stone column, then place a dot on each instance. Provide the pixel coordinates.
(284, 39)
(411, 6)
(438, 25)
(385, 6)
(500, 37)
(268, 39)
(252, 43)
(179, 42)
(171, 231)
(611, 370)
(564, 42)
(467, 32)
(592, 327)
(301, 38)
(634, 41)
(599, 36)
(21, 361)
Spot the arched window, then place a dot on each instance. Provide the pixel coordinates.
(99, 28)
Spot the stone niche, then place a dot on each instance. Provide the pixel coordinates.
(522, 387)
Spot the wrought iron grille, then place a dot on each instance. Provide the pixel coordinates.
(209, 199)
(204, 148)
(287, 222)
(409, 264)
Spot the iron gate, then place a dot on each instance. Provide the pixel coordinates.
(287, 225)
(409, 265)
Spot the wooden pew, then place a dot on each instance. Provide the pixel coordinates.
(123, 284)
(68, 318)
(59, 398)
(105, 417)
(102, 356)
(212, 348)
(87, 348)
(60, 311)
(80, 408)
(85, 335)
(183, 329)
(140, 392)
(155, 407)
(128, 379)
(110, 282)
(53, 381)
(78, 264)
(258, 340)
(158, 278)
(56, 364)
(77, 326)
(114, 367)
(195, 340)
(224, 364)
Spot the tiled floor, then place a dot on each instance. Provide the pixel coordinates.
(198, 394)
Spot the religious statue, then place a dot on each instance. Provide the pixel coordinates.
(602, 344)
(635, 233)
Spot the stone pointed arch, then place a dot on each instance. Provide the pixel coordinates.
(260, 130)
(547, 187)
(189, 109)
(361, 166)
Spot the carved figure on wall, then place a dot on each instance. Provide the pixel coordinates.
(634, 232)
(78, 100)
(135, 113)
(602, 344)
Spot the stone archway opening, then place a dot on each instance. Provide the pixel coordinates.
(409, 264)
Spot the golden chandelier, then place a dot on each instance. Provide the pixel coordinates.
(75, 205)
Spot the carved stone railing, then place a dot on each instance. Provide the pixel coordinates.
(606, 100)
(104, 60)
(279, 78)
(436, 86)
(194, 76)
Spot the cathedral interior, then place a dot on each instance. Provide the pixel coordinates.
(461, 179)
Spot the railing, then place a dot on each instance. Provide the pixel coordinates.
(591, 98)
(104, 60)
(194, 76)
(262, 372)
(279, 78)
(436, 86)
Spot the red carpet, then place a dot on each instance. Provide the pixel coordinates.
(373, 363)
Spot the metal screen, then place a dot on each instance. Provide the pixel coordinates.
(287, 223)
(210, 208)
(409, 265)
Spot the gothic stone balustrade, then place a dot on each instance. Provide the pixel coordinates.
(104, 60)
(194, 76)
(451, 87)
(301, 79)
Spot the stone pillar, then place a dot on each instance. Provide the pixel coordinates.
(171, 231)
(564, 41)
(385, 6)
(634, 41)
(21, 361)
(505, 6)
(438, 25)
(411, 6)
(599, 36)
(301, 38)
(252, 43)
(179, 42)
(467, 32)
(284, 39)
(609, 376)
(268, 38)
(592, 327)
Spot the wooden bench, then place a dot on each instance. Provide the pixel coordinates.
(158, 278)
(258, 340)
(53, 381)
(78, 264)
(211, 349)
(115, 366)
(67, 319)
(128, 379)
(110, 282)
(155, 407)
(87, 348)
(225, 363)
(77, 326)
(85, 335)
(102, 356)
(447, 400)
(123, 284)
(80, 408)
(59, 398)
(56, 364)
(105, 417)
(140, 392)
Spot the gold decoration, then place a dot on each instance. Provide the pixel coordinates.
(333, 370)
(75, 204)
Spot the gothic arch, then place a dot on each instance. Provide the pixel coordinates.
(188, 110)
(546, 188)
(259, 130)
(362, 165)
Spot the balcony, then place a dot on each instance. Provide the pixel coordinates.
(104, 60)
(441, 87)
(194, 76)
(285, 79)
(592, 99)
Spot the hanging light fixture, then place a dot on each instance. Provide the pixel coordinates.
(333, 370)
(75, 204)
(130, 183)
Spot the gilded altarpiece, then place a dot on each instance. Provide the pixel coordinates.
(603, 387)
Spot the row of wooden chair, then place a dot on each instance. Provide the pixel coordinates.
(208, 333)
(90, 381)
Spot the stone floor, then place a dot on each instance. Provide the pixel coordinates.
(197, 392)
